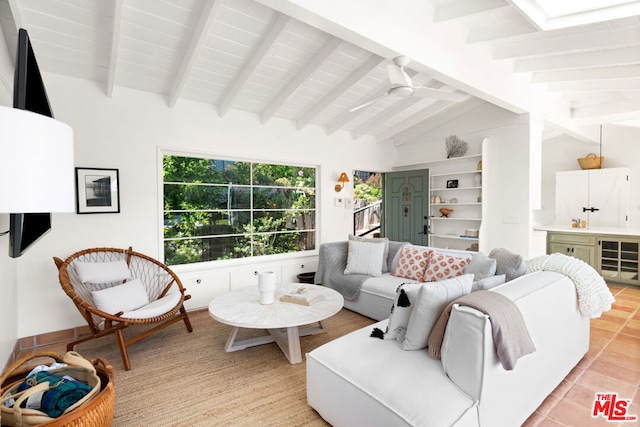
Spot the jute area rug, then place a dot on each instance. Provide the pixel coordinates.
(187, 379)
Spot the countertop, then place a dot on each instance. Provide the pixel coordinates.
(588, 230)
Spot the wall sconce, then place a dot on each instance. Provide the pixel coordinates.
(37, 167)
(341, 181)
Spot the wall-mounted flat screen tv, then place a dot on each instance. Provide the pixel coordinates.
(28, 94)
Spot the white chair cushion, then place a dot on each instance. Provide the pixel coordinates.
(126, 297)
(102, 272)
(156, 308)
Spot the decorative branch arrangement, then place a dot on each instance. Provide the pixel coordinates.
(456, 147)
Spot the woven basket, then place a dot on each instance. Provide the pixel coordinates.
(98, 411)
(591, 161)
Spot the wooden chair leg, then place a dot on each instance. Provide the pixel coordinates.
(187, 322)
(123, 350)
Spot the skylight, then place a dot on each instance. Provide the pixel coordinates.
(555, 14)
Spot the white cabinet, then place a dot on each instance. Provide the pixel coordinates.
(290, 270)
(203, 286)
(456, 184)
(248, 276)
(598, 196)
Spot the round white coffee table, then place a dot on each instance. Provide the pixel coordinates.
(241, 309)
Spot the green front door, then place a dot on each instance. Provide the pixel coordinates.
(406, 206)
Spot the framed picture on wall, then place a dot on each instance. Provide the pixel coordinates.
(97, 191)
(452, 183)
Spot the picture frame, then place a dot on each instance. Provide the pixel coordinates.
(97, 190)
(452, 183)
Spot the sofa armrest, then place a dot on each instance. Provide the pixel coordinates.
(548, 304)
(331, 256)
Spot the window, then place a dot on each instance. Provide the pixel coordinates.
(217, 209)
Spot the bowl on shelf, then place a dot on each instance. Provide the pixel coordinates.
(445, 212)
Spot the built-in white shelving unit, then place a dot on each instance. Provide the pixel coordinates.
(456, 184)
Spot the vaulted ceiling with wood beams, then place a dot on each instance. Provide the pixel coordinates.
(280, 59)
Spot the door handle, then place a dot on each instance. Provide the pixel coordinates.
(591, 209)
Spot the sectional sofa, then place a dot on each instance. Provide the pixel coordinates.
(359, 379)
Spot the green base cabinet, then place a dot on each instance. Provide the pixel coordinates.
(581, 246)
(615, 257)
(618, 259)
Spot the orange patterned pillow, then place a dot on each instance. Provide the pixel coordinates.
(412, 263)
(443, 266)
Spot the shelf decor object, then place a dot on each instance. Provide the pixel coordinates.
(455, 183)
(456, 147)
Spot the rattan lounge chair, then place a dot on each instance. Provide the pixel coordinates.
(165, 292)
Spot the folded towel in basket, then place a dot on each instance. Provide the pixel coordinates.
(62, 393)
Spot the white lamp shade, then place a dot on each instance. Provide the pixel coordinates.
(36, 163)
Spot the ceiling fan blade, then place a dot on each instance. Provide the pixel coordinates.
(427, 92)
(397, 76)
(369, 102)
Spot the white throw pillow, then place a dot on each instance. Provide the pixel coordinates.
(481, 266)
(365, 258)
(385, 267)
(126, 297)
(432, 299)
(102, 272)
(406, 295)
(488, 283)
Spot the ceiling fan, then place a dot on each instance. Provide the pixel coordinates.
(401, 85)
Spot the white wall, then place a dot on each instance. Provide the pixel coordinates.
(125, 132)
(506, 168)
(8, 279)
(619, 147)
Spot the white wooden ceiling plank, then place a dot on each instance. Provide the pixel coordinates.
(237, 46)
(80, 70)
(495, 32)
(595, 86)
(611, 57)
(254, 60)
(608, 109)
(462, 8)
(215, 55)
(366, 67)
(131, 57)
(90, 18)
(435, 120)
(169, 13)
(375, 121)
(341, 120)
(248, 16)
(197, 38)
(58, 53)
(311, 67)
(600, 73)
(413, 120)
(146, 48)
(115, 45)
(628, 36)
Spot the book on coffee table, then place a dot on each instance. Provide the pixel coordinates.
(302, 295)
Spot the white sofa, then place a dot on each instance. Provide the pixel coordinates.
(357, 380)
(376, 295)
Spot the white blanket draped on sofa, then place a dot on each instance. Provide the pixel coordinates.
(594, 297)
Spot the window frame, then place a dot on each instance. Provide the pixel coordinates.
(162, 152)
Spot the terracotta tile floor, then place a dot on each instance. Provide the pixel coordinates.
(612, 364)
